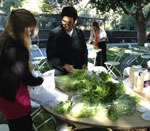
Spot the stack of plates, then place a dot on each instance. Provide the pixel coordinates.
(145, 110)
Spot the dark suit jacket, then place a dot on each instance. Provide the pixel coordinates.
(65, 49)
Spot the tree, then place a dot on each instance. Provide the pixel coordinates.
(8, 4)
(138, 9)
(55, 6)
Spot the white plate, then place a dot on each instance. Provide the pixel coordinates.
(146, 116)
(143, 109)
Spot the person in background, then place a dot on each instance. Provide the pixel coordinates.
(66, 48)
(98, 36)
(15, 70)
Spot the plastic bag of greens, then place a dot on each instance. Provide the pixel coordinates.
(65, 83)
(81, 108)
(124, 105)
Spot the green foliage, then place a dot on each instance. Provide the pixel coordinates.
(95, 88)
(103, 5)
(46, 7)
(146, 9)
(43, 66)
(66, 83)
(63, 107)
(105, 92)
(8, 4)
(105, 77)
(69, 82)
(82, 110)
(96, 91)
(137, 12)
(112, 114)
(55, 6)
(79, 74)
(124, 105)
(128, 21)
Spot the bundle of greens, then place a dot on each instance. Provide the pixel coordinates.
(68, 82)
(79, 74)
(124, 105)
(65, 83)
(82, 110)
(104, 93)
(63, 107)
(95, 91)
(92, 81)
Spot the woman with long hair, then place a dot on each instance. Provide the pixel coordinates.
(15, 69)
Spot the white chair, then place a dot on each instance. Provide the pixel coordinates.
(111, 65)
(146, 55)
(39, 60)
(37, 56)
(130, 46)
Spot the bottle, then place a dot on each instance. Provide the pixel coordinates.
(138, 81)
(131, 74)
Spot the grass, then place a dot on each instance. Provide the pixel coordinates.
(43, 116)
(49, 126)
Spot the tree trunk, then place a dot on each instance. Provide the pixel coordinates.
(141, 32)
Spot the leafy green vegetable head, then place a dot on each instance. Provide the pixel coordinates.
(82, 110)
(79, 74)
(63, 107)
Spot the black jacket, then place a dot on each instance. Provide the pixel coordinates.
(14, 68)
(64, 49)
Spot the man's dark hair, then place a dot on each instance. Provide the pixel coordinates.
(69, 11)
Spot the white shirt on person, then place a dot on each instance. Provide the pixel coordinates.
(102, 36)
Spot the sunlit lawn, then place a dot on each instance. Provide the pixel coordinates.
(49, 126)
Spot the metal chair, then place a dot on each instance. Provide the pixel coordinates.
(111, 65)
(36, 105)
(146, 55)
(35, 114)
(129, 60)
(37, 56)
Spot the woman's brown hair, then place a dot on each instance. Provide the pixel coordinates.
(18, 23)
